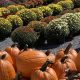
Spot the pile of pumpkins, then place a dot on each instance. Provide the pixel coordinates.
(32, 64)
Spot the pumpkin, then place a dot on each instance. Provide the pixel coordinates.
(7, 71)
(13, 51)
(30, 60)
(62, 64)
(8, 57)
(77, 62)
(44, 73)
(60, 53)
(50, 55)
(71, 53)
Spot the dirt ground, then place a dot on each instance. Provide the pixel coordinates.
(75, 42)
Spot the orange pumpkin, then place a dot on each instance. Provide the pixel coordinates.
(44, 73)
(29, 60)
(13, 51)
(50, 55)
(77, 62)
(60, 53)
(8, 57)
(7, 71)
(71, 53)
(62, 64)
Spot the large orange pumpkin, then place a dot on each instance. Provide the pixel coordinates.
(44, 73)
(7, 71)
(13, 51)
(8, 57)
(62, 64)
(29, 60)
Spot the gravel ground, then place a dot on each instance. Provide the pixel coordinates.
(75, 42)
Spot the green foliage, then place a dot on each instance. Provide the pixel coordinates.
(24, 35)
(73, 21)
(57, 30)
(37, 26)
(67, 16)
(20, 7)
(46, 11)
(4, 11)
(77, 14)
(56, 8)
(15, 20)
(5, 27)
(38, 13)
(26, 15)
(67, 4)
(0, 14)
(77, 3)
(13, 8)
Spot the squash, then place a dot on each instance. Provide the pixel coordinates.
(29, 60)
(61, 65)
(44, 73)
(8, 57)
(13, 51)
(70, 52)
(77, 62)
(50, 55)
(7, 71)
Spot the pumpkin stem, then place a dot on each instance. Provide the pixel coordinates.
(48, 52)
(67, 48)
(3, 56)
(63, 59)
(26, 47)
(43, 68)
(14, 45)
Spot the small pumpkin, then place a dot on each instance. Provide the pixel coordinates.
(29, 60)
(44, 73)
(77, 62)
(7, 71)
(50, 55)
(8, 57)
(60, 53)
(13, 51)
(62, 64)
(71, 53)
